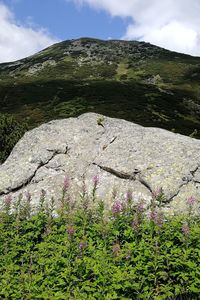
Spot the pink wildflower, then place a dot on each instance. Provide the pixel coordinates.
(128, 196)
(185, 229)
(153, 215)
(155, 194)
(140, 207)
(70, 231)
(66, 184)
(28, 196)
(117, 207)
(84, 188)
(191, 200)
(95, 180)
(82, 245)
(8, 200)
(157, 217)
(84, 195)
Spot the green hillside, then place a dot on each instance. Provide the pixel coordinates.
(131, 80)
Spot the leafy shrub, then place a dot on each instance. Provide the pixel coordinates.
(82, 253)
(10, 132)
(123, 77)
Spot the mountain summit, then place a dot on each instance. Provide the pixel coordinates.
(132, 80)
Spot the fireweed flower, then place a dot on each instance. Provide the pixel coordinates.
(190, 201)
(28, 196)
(83, 191)
(82, 245)
(140, 207)
(153, 215)
(128, 196)
(84, 188)
(117, 207)
(185, 229)
(70, 231)
(116, 249)
(156, 217)
(135, 223)
(95, 180)
(155, 194)
(84, 195)
(7, 203)
(42, 199)
(85, 204)
(27, 207)
(8, 200)
(66, 184)
(160, 218)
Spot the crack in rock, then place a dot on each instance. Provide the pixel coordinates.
(98, 153)
(57, 169)
(136, 175)
(194, 171)
(187, 179)
(111, 142)
(30, 178)
(119, 174)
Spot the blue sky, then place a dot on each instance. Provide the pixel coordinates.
(65, 20)
(27, 26)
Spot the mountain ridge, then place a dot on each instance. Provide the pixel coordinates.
(133, 80)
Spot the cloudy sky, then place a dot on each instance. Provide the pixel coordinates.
(27, 26)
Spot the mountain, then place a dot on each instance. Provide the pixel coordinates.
(132, 80)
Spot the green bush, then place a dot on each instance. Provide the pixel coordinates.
(131, 252)
(10, 132)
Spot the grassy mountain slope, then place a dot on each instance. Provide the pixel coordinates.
(132, 80)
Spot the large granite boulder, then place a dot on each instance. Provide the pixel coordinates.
(124, 155)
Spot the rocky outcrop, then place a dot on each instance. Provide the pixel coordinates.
(126, 156)
(34, 69)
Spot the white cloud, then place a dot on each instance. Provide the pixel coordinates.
(172, 24)
(18, 41)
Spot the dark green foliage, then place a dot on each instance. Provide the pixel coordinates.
(10, 132)
(84, 254)
(43, 101)
(108, 77)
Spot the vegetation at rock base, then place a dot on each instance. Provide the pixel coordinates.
(79, 250)
(10, 132)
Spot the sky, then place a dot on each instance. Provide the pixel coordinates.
(28, 26)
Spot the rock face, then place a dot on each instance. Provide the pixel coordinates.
(126, 157)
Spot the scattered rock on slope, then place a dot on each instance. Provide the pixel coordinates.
(124, 155)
